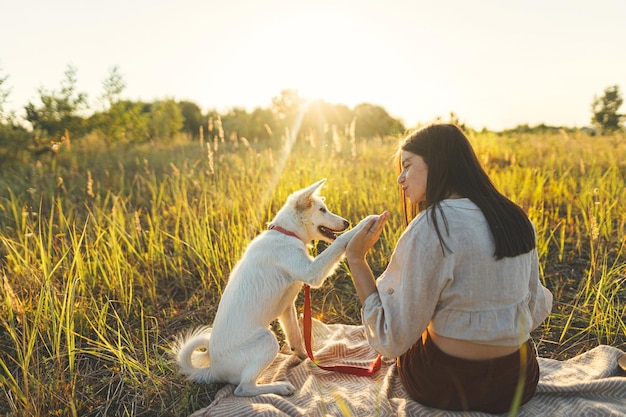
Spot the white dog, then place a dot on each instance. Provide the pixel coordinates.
(263, 286)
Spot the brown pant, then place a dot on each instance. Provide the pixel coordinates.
(436, 379)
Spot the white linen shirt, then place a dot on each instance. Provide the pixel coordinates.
(466, 294)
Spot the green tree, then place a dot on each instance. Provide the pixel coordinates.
(59, 111)
(320, 113)
(262, 125)
(113, 87)
(605, 110)
(192, 116)
(237, 121)
(125, 122)
(166, 120)
(286, 108)
(322, 116)
(122, 121)
(374, 121)
(13, 138)
(4, 94)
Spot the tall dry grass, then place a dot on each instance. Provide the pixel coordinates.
(104, 256)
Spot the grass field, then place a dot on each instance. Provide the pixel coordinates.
(106, 255)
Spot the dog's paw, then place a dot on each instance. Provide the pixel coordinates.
(250, 390)
(345, 237)
(365, 221)
(349, 234)
(299, 352)
(284, 388)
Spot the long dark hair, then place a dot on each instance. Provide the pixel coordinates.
(454, 168)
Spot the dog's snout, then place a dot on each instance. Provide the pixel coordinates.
(346, 223)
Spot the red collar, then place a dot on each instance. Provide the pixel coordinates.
(283, 231)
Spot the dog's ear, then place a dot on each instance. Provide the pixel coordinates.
(304, 200)
(313, 188)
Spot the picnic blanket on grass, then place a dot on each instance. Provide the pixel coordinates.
(591, 384)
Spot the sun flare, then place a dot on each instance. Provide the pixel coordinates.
(321, 56)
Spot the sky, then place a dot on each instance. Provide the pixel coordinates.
(494, 63)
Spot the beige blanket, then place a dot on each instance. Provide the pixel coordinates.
(590, 384)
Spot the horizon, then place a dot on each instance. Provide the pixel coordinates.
(494, 65)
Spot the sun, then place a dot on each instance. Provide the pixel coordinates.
(321, 55)
(340, 56)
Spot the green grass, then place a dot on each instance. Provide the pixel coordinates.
(106, 255)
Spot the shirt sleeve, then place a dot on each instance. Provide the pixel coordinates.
(407, 293)
(540, 303)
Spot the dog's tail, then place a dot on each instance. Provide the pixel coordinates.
(191, 351)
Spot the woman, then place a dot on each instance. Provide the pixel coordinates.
(461, 293)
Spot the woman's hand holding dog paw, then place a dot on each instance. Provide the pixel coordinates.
(366, 234)
(345, 237)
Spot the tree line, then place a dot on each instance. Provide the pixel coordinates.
(59, 114)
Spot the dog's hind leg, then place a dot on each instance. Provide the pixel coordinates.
(289, 322)
(263, 347)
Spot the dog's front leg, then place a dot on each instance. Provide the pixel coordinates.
(289, 322)
(325, 263)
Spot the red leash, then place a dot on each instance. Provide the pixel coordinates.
(346, 369)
